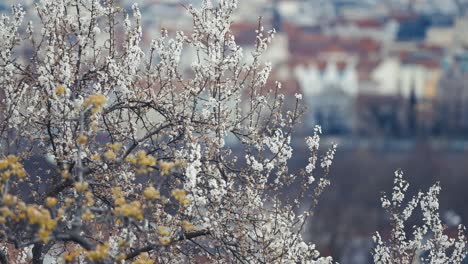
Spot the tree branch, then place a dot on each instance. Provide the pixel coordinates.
(73, 237)
(152, 246)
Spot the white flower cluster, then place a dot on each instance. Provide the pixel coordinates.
(429, 238)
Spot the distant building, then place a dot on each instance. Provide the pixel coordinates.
(329, 89)
(412, 27)
(399, 75)
(452, 102)
(377, 29)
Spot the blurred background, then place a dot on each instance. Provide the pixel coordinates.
(386, 79)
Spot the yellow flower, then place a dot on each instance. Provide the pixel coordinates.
(187, 226)
(9, 199)
(6, 175)
(65, 174)
(82, 140)
(96, 157)
(44, 235)
(143, 258)
(122, 242)
(118, 196)
(164, 231)
(109, 155)
(132, 209)
(51, 201)
(121, 257)
(81, 187)
(151, 193)
(96, 100)
(41, 217)
(178, 194)
(99, 254)
(3, 164)
(69, 256)
(69, 201)
(21, 173)
(115, 146)
(164, 241)
(12, 159)
(131, 159)
(12, 167)
(185, 201)
(144, 159)
(166, 167)
(117, 191)
(89, 199)
(120, 201)
(60, 213)
(60, 90)
(88, 215)
(6, 212)
(181, 164)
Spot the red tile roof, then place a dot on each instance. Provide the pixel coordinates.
(369, 23)
(311, 44)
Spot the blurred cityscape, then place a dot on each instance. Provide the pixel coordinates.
(386, 79)
(367, 68)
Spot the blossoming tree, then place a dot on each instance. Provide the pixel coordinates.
(430, 238)
(141, 171)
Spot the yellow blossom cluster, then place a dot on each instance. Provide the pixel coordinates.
(60, 90)
(118, 196)
(180, 196)
(87, 215)
(95, 157)
(132, 209)
(164, 233)
(151, 193)
(82, 140)
(112, 148)
(69, 202)
(99, 254)
(81, 186)
(9, 199)
(164, 241)
(96, 100)
(69, 256)
(143, 160)
(6, 213)
(41, 217)
(51, 201)
(89, 199)
(9, 166)
(110, 154)
(121, 257)
(166, 167)
(143, 258)
(187, 226)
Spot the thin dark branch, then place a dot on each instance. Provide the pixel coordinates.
(152, 246)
